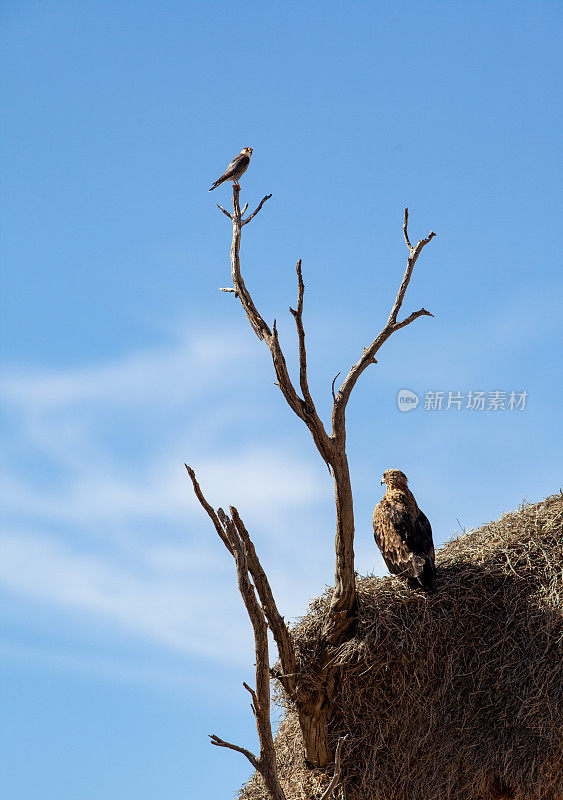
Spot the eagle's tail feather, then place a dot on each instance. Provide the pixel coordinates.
(428, 576)
(426, 579)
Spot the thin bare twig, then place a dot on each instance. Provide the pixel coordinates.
(332, 387)
(298, 316)
(405, 228)
(254, 704)
(414, 254)
(225, 212)
(260, 204)
(209, 509)
(411, 318)
(337, 768)
(222, 743)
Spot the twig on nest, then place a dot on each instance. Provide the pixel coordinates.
(337, 766)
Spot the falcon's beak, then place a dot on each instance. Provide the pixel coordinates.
(382, 481)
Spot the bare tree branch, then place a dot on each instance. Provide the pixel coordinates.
(276, 622)
(332, 387)
(411, 318)
(304, 407)
(222, 743)
(405, 228)
(261, 203)
(210, 511)
(298, 316)
(260, 327)
(237, 540)
(225, 212)
(266, 764)
(342, 607)
(337, 767)
(252, 693)
(343, 395)
(414, 254)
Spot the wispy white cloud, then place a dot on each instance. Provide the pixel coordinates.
(173, 609)
(268, 480)
(113, 532)
(167, 374)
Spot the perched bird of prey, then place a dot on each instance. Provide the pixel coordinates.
(236, 168)
(403, 533)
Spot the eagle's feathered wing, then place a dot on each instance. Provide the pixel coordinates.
(234, 171)
(404, 536)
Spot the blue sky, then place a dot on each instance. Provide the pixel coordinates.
(123, 640)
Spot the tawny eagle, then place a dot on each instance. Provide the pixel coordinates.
(236, 168)
(403, 533)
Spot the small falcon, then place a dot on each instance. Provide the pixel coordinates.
(236, 168)
(403, 533)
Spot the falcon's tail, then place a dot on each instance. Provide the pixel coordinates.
(218, 182)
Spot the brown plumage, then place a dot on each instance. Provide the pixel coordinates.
(236, 168)
(403, 533)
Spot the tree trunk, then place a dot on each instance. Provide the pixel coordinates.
(342, 615)
(313, 719)
(315, 711)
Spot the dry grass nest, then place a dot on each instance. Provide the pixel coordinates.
(443, 696)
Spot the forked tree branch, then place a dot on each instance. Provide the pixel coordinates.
(266, 763)
(303, 407)
(343, 602)
(235, 537)
(368, 356)
(276, 622)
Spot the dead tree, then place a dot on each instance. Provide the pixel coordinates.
(314, 708)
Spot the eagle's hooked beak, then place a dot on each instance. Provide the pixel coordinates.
(382, 481)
